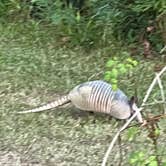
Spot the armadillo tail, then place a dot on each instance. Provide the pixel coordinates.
(63, 100)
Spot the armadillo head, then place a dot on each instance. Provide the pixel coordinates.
(133, 104)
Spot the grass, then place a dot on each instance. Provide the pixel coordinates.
(34, 69)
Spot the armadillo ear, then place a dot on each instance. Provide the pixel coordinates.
(133, 100)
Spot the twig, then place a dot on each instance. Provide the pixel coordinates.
(154, 103)
(94, 75)
(116, 137)
(132, 117)
(162, 92)
(152, 85)
(163, 49)
(157, 117)
(154, 118)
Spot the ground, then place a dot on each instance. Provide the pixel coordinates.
(34, 71)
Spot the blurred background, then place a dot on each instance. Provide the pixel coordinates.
(47, 47)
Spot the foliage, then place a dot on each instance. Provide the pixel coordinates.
(118, 66)
(132, 18)
(132, 133)
(10, 9)
(96, 22)
(81, 28)
(139, 159)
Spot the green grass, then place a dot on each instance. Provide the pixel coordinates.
(34, 69)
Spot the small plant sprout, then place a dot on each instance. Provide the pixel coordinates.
(115, 68)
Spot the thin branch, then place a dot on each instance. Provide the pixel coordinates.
(116, 137)
(155, 103)
(163, 49)
(152, 85)
(151, 119)
(162, 92)
(94, 75)
(157, 117)
(137, 112)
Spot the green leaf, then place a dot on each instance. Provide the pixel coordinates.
(141, 155)
(120, 65)
(129, 60)
(135, 63)
(115, 58)
(151, 158)
(129, 66)
(114, 73)
(114, 81)
(108, 72)
(132, 62)
(131, 133)
(110, 63)
(133, 161)
(153, 163)
(157, 132)
(114, 86)
(107, 75)
(122, 69)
